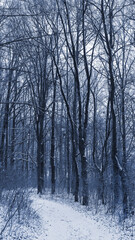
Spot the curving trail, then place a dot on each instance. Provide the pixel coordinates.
(61, 222)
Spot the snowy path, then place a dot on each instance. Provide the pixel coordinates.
(61, 222)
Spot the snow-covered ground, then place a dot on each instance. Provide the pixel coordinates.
(62, 219)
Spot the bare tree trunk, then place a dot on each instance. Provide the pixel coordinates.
(13, 125)
(5, 120)
(13, 137)
(52, 162)
(68, 157)
(40, 153)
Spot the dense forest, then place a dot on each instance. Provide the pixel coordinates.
(67, 99)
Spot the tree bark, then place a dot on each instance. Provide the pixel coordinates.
(52, 161)
(40, 154)
(5, 120)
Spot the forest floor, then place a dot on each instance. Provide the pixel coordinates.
(64, 220)
(61, 219)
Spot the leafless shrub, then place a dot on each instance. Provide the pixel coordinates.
(18, 209)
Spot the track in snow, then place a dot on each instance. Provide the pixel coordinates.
(61, 222)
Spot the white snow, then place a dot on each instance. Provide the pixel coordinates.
(60, 221)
